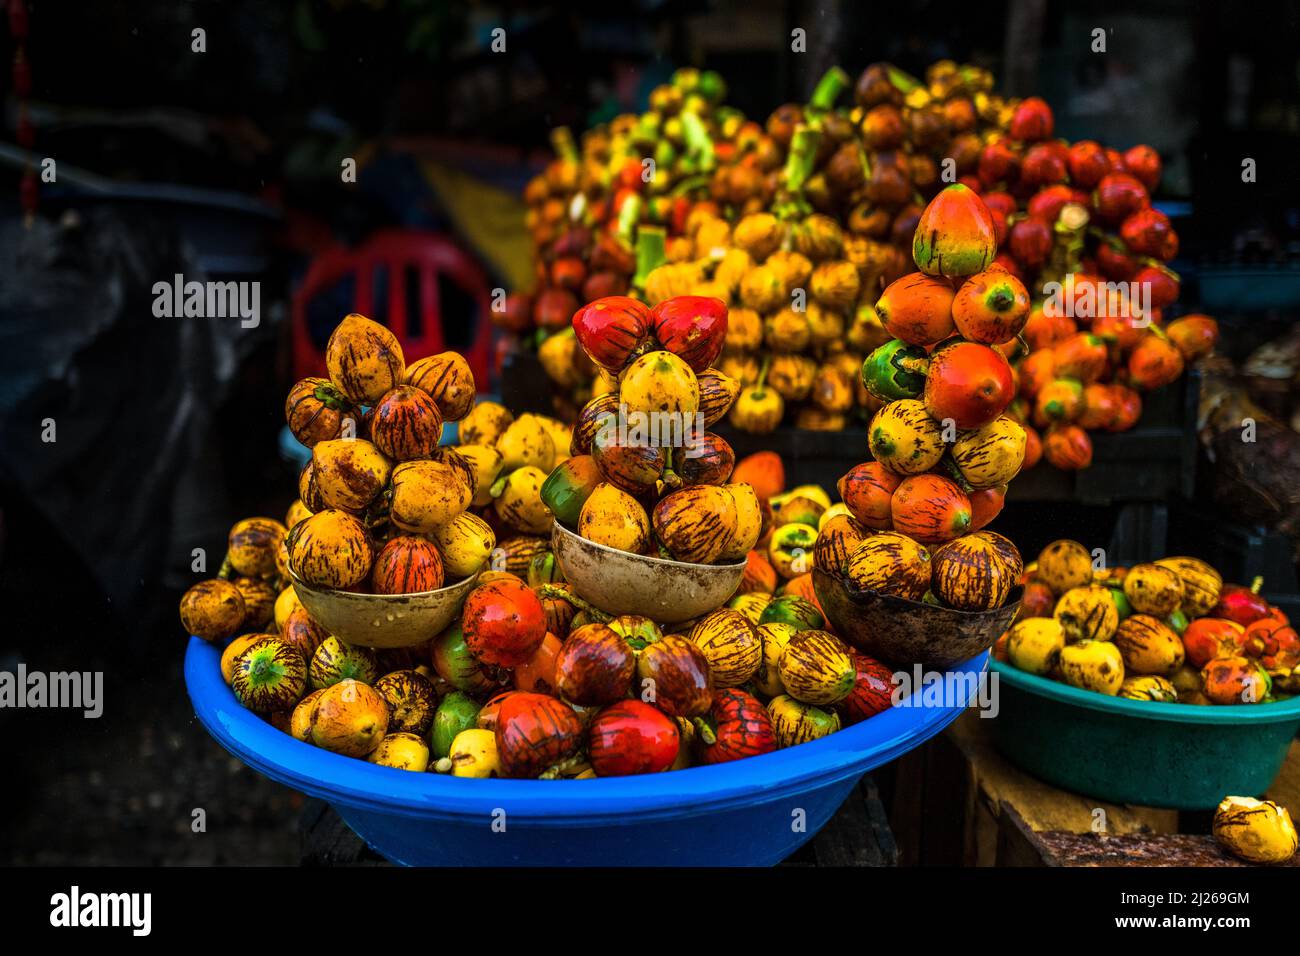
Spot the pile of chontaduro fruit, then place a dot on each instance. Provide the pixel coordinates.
(531, 682)
(943, 449)
(646, 476)
(1166, 631)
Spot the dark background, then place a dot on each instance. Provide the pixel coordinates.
(225, 164)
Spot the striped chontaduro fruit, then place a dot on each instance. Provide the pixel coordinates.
(252, 544)
(314, 410)
(270, 675)
(407, 564)
(448, 380)
(1202, 584)
(331, 549)
(336, 661)
(976, 572)
(795, 722)
(890, 563)
(695, 524)
(731, 645)
(904, 438)
(1148, 645)
(816, 667)
(406, 424)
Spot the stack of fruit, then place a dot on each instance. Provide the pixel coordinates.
(1167, 631)
(943, 449)
(646, 475)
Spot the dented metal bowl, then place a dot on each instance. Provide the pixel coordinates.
(902, 632)
(618, 582)
(384, 620)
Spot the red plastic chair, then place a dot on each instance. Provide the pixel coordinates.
(397, 251)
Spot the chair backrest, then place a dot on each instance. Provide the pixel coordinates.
(388, 269)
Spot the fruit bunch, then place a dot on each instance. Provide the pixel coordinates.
(646, 475)
(1075, 224)
(1168, 631)
(382, 504)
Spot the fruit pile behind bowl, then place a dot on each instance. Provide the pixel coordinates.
(1168, 631)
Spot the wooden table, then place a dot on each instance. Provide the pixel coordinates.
(957, 801)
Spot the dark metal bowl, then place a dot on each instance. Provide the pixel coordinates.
(902, 632)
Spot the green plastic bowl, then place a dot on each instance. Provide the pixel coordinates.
(1183, 756)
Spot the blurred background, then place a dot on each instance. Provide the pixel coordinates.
(225, 155)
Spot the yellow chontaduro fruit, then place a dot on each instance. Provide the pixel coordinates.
(1149, 687)
(473, 754)
(213, 610)
(486, 462)
(484, 424)
(301, 719)
(350, 718)
(749, 522)
(775, 637)
(526, 441)
(1087, 614)
(252, 545)
(331, 549)
(465, 543)
(348, 473)
(1093, 665)
(520, 502)
(1258, 831)
(364, 359)
(427, 494)
(660, 382)
(794, 722)
(1035, 644)
(817, 668)
(402, 751)
(285, 605)
(1148, 645)
(1153, 589)
(615, 519)
(1063, 565)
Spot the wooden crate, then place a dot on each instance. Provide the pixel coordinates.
(957, 801)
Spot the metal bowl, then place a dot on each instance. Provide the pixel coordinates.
(902, 632)
(619, 582)
(383, 620)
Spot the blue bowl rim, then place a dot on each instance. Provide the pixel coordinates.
(1275, 712)
(694, 791)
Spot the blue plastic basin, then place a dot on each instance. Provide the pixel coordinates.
(749, 812)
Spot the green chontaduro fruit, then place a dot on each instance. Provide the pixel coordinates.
(457, 712)
(269, 676)
(895, 370)
(411, 701)
(816, 667)
(794, 610)
(795, 722)
(335, 661)
(568, 487)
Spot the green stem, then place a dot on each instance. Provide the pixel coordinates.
(834, 82)
(651, 253)
(704, 730)
(803, 155)
(628, 216)
(698, 142)
(560, 594)
(562, 143)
